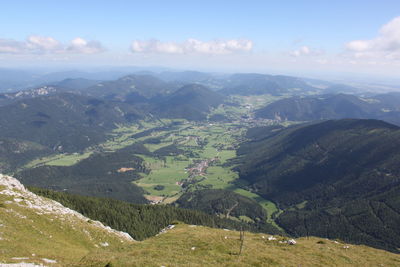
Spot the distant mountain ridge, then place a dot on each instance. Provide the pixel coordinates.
(131, 86)
(338, 106)
(258, 84)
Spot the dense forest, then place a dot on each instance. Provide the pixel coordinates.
(338, 179)
(223, 202)
(142, 221)
(98, 175)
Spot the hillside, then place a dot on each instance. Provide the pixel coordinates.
(41, 231)
(57, 236)
(15, 152)
(131, 88)
(338, 179)
(76, 84)
(63, 122)
(188, 245)
(317, 108)
(98, 175)
(9, 98)
(338, 106)
(190, 102)
(224, 203)
(144, 221)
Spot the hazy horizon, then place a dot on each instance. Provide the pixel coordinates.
(313, 39)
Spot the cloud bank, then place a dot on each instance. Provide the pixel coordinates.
(35, 44)
(385, 45)
(192, 46)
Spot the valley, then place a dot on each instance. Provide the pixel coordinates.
(182, 155)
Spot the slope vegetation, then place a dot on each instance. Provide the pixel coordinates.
(41, 231)
(63, 122)
(223, 202)
(190, 102)
(36, 231)
(339, 106)
(334, 179)
(133, 88)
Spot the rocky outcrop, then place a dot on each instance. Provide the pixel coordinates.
(20, 196)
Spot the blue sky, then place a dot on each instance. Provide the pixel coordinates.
(293, 36)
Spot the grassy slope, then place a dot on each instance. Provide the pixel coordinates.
(26, 234)
(31, 237)
(49, 238)
(174, 248)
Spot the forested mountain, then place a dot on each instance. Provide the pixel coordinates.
(339, 106)
(63, 122)
(107, 174)
(9, 98)
(334, 178)
(15, 152)
(317, 108)
(191, 102)
(131, 88)
(186, 76)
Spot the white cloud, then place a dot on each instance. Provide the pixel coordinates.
(192, 46)
(305, 51)
(42, 44)
(385, 45)
(35, 44)
(81, 46)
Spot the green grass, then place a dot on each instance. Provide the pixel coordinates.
(172, 170)
(166, 173)
(69, 160)
(257, 101)
(154, 147)
(202, 246)
(59, 160)
(31, 237)
(219, 177)
(268, 205)
(26, 234)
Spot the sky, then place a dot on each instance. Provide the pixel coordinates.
(353, 37)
